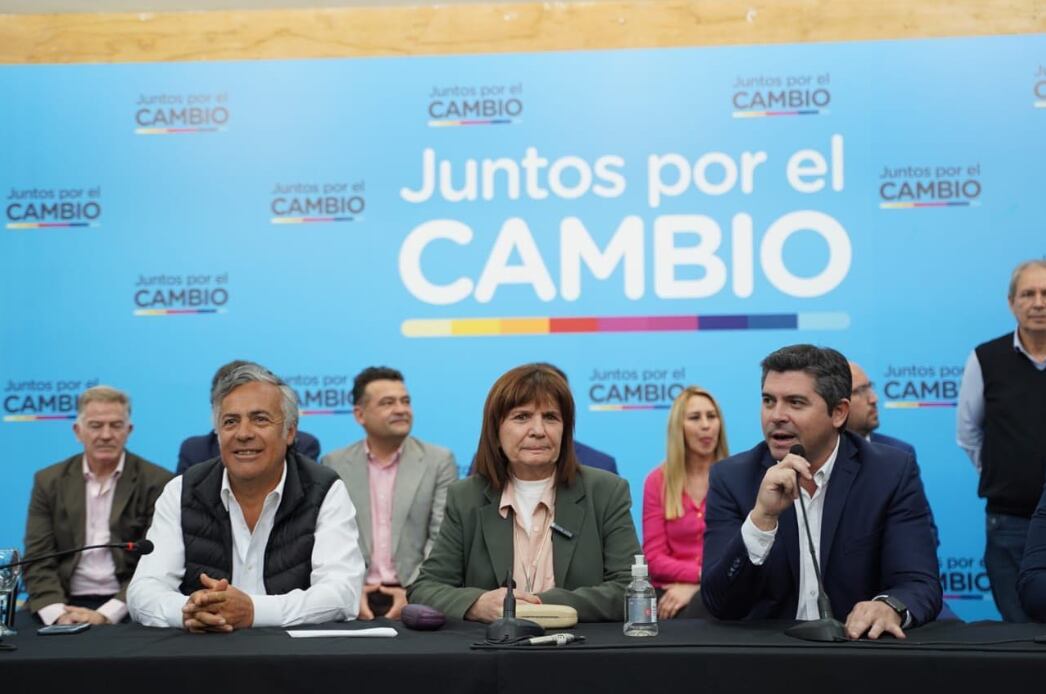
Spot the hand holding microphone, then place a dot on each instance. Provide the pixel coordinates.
(780, 487)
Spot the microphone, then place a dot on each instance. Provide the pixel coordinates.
(509, 628)
(827, 628)
(140, 547)
(555, 639)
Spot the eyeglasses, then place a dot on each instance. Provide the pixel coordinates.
(862, 389)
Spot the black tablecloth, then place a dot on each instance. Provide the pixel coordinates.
(687, 655)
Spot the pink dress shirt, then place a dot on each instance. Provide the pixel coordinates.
(673, 548)
(532, 568)
(95, 573)
(382, 477)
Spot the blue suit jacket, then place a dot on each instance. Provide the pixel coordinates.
(1031, 586)
(884, 440)
(197, 449)
(876, 538)
(586, 455)
(891, 441)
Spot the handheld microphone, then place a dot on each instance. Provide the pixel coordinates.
(827, 628)
(140, 547)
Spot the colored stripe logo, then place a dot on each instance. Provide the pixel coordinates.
(51, 225)
(774, 114)
(912, 205)
(310, 220)
(965, 596)
(627, 408)
(175, 311)
(486, 121)
(38, 417)
(177, 131)
(918, 404)
(497, 327)
(310, 413)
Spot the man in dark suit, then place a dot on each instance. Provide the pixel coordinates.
(105, 494)
(868, 514)
(864, 412)
(1031, 584)
(197, 449)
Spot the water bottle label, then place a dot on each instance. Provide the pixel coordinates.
(642, 611)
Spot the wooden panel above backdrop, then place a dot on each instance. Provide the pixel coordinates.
(495, 28)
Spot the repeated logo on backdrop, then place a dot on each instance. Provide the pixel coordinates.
(43, 399)
(634, 389)
(964, 578)
(53, 208)
(181, 294)
(317, 203)
(766, 96)
(475, 104)
(911, 187)
(913, 386)
(322, 394)
(181, 114)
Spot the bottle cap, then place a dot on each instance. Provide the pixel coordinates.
(639, 569)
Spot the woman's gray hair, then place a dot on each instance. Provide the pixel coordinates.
(250, 372)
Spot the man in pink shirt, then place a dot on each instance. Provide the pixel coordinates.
(103, 495)
(398, 485)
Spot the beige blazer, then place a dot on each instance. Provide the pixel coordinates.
(419, 497)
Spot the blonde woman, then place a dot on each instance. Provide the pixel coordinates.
(674, 499)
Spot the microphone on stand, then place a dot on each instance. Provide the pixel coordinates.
(826, 628)
(510, 628)
(140, 547)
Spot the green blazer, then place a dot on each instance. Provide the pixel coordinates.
(58, 516)
(474, 549)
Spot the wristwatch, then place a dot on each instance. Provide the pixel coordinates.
(896, 605)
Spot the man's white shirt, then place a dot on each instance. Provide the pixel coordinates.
(760, 542)
(154, 598)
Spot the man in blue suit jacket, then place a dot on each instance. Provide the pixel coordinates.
(864, 412)
(1031, 585)
(869, 516)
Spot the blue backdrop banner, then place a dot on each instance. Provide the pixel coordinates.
(645, 219)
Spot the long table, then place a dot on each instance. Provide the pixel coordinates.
(688, 655)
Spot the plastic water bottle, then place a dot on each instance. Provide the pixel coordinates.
(640, 602)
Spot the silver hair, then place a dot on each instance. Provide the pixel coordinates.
(249, 372)
(1019, 270)
(101, 394)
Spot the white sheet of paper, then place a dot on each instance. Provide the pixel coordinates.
(373, 632)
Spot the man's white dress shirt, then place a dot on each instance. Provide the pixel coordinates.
(154, 597)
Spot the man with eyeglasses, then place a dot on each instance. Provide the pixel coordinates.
(1000, 425)
(864, 412)
(864, 420)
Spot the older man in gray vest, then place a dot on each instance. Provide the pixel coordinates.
(258, 537)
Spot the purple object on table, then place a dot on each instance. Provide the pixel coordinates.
(422, 617)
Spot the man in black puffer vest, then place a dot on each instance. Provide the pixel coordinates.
(261, 536)
(1002, 426)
